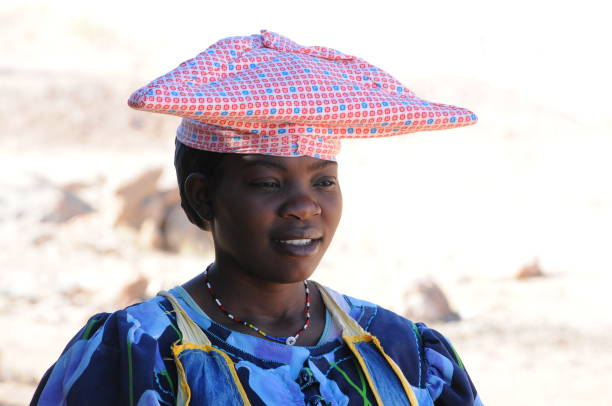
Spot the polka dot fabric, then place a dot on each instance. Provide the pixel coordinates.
(265, 94)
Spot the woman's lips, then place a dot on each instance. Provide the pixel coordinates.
(298, 246)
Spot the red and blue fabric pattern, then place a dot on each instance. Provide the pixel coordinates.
(266, 94)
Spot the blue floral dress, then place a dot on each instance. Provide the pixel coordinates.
(125, 358)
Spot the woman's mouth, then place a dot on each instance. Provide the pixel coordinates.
(298, 246)
(305, 241)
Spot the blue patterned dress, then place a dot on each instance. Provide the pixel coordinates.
(124, 358)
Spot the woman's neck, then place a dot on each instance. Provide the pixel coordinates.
(255, 300)
(275, 308)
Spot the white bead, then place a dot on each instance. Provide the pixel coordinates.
(290, 340)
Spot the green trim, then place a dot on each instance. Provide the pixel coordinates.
(418, 333)
(363, 391)
(167, 376)
(130, 372)
(361, 376)
(88, 328)
(457, 357)
(178, 332)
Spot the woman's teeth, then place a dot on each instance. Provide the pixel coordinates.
(296, 242)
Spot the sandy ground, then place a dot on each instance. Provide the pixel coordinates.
(466, 207)
(545, 339)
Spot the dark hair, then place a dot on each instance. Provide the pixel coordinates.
(189, 160)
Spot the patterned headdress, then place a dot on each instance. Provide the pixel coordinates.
(265, 94)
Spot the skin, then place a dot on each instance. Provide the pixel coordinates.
(259, 202)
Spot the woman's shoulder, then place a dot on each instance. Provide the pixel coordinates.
(427, 358)
(374, 318)
(152, 319)
(128, 348)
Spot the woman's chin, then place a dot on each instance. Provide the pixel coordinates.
(291, 274)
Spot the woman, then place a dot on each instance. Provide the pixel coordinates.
(255, 160)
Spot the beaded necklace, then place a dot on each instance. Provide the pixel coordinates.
(290, 340)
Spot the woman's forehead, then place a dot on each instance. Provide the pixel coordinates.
(307, 163)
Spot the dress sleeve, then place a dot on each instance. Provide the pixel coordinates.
(447, 380)
(110, 361)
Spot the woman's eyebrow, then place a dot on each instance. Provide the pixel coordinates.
(321, 164)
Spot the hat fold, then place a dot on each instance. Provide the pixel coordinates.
(278, 42)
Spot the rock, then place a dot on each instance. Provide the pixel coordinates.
(76, 294)
(38, 199)
(80, 185)
(157, 215)
(171, 197)
(154, 212)
(150, 235)
(182, 236)
(133, 292)
(138, 199)
(153, 208)
(532, 270)
(41, 239)
(425, 301)
(67, 206)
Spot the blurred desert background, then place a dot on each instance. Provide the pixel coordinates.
(505, 228)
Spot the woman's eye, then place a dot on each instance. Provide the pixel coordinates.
(326, 183)
(266, 185)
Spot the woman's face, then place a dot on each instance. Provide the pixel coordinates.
(274, 217)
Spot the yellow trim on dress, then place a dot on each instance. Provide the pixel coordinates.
(184, 394)
(195, 339)
(178, 348)
(398, 372)
(350, 341)
(353, 333)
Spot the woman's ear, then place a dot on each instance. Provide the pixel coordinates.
(198, 192)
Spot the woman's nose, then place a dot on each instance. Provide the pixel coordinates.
(300, 206)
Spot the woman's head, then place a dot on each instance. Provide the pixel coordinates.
(275, 216)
